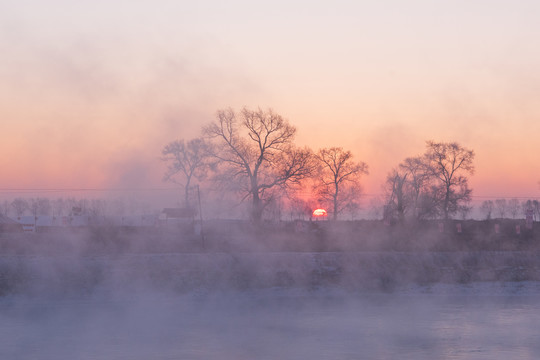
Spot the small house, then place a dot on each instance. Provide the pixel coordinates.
(9, 225)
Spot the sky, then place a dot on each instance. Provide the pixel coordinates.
(90, 92)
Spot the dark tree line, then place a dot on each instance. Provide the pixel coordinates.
(512, 208)
(252, 153)
(42, 206)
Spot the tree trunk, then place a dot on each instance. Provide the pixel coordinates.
(186, 192)
(446, 202)
(400, 211)
(335, 212)
(257, 208)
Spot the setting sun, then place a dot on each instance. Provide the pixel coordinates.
(319, 213)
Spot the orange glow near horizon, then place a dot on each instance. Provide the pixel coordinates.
(87, 106)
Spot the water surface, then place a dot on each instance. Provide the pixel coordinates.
(474, 321)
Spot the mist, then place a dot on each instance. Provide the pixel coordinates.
(215, 307)
(267, 326)
(116, 293)
(90, 93)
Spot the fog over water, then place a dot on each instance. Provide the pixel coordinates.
(489, 320)
(91, 297)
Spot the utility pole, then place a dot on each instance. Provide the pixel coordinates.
(200, 214)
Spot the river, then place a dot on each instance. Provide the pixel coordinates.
(485, 320)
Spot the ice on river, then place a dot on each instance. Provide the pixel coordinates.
(487, 320)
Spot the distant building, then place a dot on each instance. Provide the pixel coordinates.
(32, 223)
(180, 218)
(178, 213)
(9, 225)
(134, 220)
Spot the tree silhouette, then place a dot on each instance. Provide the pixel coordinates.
(189, 160)
(448, 162)
(255, 151)
(338, 177)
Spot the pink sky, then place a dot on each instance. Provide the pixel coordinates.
(90, 93)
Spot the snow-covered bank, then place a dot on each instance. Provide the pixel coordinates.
(185, 272)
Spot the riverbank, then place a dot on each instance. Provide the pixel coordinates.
(185, 272)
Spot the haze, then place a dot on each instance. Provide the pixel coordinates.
(90, 92)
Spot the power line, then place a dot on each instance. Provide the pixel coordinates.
(472, 196)
(85, 189)
(81, 190)
(157, 189)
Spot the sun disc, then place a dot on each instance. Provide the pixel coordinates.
(319, 212)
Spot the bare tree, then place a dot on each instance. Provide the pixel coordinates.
(536, 207)
(20, 206)
(410, 190)
(255, 151)
(464, 211)
(430, 202)
(487, 208)
(97, 207)
(82, 207)
(58, 206)
(5, 207)
(352, 204)
(513, 207)
(528, 206)
(337, 173)
(299, 208)
(72, 206)
(501, 207)
(419, 178)
(397, 194)
(448, 163)
(118, 206)
(40, 206)
(376, 208)
(189, 160)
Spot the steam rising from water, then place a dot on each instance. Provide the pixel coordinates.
(235, 306)
(443, 322)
